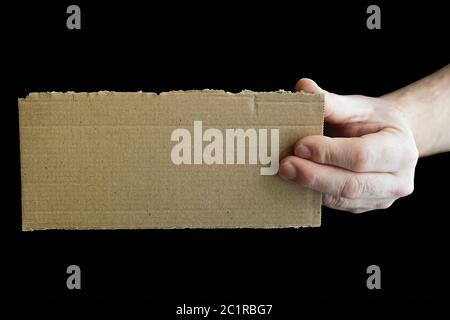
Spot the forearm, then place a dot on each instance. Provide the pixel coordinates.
(426, 104)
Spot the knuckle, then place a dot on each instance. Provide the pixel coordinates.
(318, 147)
(362, 157)
(322, 153)
(351, 189)
(326, 151)
(307, 178)
(404, 189)
(357, 210)
(412, 155)
(384, 204)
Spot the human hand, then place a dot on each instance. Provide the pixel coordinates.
(369, 160)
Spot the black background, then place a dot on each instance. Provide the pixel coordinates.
(130, 46)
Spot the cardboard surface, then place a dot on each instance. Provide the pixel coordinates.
(106, 160)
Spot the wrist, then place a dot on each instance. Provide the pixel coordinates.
(403, 102)
(425, 104)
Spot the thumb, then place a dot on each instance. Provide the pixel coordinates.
(338, 108)
(308, 85)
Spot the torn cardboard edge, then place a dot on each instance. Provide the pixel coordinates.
(53, 195)
(53, 94)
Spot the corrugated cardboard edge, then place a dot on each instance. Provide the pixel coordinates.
(52, 94)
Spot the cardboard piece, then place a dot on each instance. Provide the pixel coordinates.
(121, 161)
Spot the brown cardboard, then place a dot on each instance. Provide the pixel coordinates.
(103, 161)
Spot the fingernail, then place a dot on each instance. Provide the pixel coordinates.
(302, 152)
(288, 171)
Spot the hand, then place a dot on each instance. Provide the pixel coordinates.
(367, 164)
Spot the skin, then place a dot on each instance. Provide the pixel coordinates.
(368, 158)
